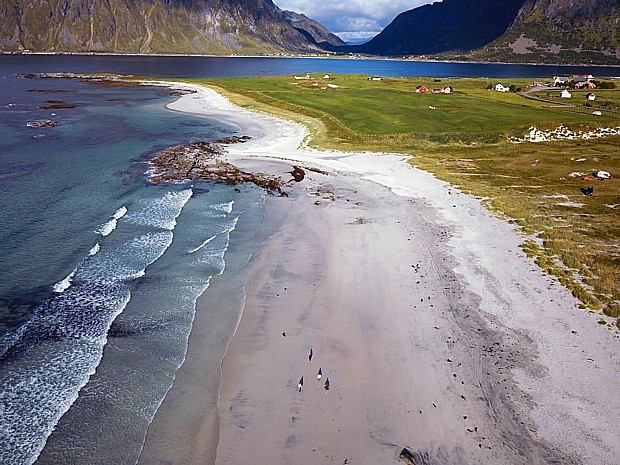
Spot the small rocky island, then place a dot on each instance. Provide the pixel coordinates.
(200, 161)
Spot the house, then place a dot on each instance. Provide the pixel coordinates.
(374, 78)
(565, 94)
(590, 96)
(326, 76)
(421, 89)
(436, 91)
(502, 88)
(560, 81)
(333, 86)
(307, 76)
(447, 90)
(538, 84)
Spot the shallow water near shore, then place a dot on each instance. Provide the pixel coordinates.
(100, 270)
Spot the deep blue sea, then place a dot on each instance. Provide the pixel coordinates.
(100, 270)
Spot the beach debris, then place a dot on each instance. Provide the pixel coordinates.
(327, 385)
(602, 175)
(300, 385)
(319, 374)
(298, 174)
(415, 458)
(310, 355)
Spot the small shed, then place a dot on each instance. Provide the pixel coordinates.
(447, 90)
(326, 76)
(590, 96)
(565, 94)
(421, 89)
(501, 88)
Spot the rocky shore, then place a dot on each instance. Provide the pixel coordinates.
(200, 160)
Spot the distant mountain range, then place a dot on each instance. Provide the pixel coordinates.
(539, 31)
(149, 26)
(450, 25)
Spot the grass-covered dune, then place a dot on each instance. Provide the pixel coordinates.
(472, 138)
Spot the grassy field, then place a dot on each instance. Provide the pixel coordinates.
(463, 137)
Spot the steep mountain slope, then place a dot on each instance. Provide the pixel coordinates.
(564, 31)
(148, 26)
(444, 26)
(312, 29)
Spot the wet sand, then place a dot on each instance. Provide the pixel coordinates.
(437, 334)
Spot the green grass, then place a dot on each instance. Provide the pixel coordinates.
(392, 106)
(464, 140)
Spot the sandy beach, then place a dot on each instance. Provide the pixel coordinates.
(442, 342)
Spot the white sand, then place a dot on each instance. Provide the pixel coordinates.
(422, 310)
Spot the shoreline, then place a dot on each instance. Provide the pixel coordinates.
(326, 56)
(537, 374)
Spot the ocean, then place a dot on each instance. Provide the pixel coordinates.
(100, 270)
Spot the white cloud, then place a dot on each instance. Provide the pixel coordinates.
(352, 20)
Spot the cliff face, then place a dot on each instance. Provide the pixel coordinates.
(449, 25)
(148, 26)
(566, 31)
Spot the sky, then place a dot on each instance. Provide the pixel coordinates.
(354, 21)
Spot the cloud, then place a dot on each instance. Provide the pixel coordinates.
(354, 20)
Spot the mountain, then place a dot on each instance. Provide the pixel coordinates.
(148, 26)
(314, 31)
(450, 25)
(560, 31)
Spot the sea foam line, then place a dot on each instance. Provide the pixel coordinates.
(107, 228)
(63, 285)
(202, 245)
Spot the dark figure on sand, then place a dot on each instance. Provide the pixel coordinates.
(310, 355)
(327, 384)
(319, 374)
(300, 384)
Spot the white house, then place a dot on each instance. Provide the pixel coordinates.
(565, 94)
(326, 76)
(590, 96)
(501, 88)
(447, 90)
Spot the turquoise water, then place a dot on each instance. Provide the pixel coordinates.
(99, 270)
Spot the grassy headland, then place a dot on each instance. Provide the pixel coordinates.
(464, 137)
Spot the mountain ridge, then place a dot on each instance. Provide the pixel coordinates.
(443, 26)
(149, 26)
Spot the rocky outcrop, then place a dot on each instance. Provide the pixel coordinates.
(200, 161)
